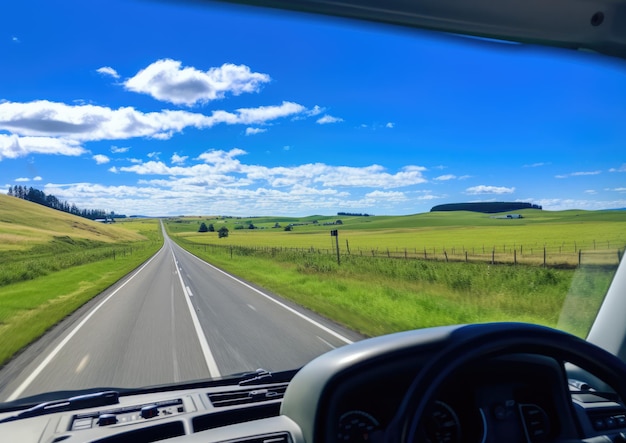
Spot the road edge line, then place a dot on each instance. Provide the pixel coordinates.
(39, 369)
(288, 308)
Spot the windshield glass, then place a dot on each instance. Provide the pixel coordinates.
(337, 180)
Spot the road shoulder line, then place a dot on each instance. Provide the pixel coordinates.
(39, 369)
(279, 303)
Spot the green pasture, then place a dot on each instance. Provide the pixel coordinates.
(563, 232)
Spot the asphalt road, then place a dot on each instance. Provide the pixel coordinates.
(174, 319)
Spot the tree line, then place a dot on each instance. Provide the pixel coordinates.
(37, 196)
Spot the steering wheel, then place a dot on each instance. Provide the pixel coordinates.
(478, 342)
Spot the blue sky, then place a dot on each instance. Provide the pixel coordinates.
(158, 108)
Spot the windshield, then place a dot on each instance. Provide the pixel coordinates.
(195, 190)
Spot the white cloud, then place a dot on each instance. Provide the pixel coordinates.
(616, 189)
(386, 196)
(536, 165)
(13, 146)
(328, 119)
(556, 204)
(445, 177)
(620, 169)
(179, 159)
(167, 80)
(253, 131)
(389, 125)
(37, 178)
(315, 111)
(90, 122)
(119, 150)
(107, 70)
(578, 174)
(590, 191)
(22, 179)
(482, 189)
(101, 159)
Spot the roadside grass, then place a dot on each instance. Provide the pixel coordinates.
(379, 296)
(82, 269)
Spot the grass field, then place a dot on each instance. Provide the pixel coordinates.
(375, 295)
(56, 262)
(434, 235)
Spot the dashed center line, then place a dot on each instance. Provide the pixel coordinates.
(251, 307)
(82, 364)
(325, 342)
(189, 291)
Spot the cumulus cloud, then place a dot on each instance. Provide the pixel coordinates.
(90, 122)
(107, 70)
(14, 146)
(620, 169)
(119, 150)
(225, 167)
(179, 159)
(482, 189)
(22, 179)
(328, 119)
(101, 159)
(37, 178)
(389, 125)
(253, 131)
(167, 80)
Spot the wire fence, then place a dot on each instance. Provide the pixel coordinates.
(553, 257)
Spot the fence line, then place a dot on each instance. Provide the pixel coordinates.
(546, 257)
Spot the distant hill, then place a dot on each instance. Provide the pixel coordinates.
(485, 207)
(24, 224)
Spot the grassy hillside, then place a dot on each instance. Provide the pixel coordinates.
(51, 263)
(24, 224)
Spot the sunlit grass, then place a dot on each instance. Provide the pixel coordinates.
(378, 296)
(53, 279)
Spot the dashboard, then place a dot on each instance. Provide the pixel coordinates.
(365, 392)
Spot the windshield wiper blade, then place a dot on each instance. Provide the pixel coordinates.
(96, 399)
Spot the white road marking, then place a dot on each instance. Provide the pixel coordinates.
(325, 342)
(173, 324)
(251, 307)
(82, 364)
(290, 309)
(208, 355)
(189, 291)
(33, 375)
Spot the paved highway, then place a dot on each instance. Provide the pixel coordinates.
(176, 318)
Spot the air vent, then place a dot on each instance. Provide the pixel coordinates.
(536, 422)
(282, 437)
(242, 397)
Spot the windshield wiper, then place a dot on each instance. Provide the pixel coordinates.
(96, 399)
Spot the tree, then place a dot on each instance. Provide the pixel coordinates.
(339, 222)
(211, 228)
(222, 232)
(288, 228)
(251, 226)
(203, 228)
